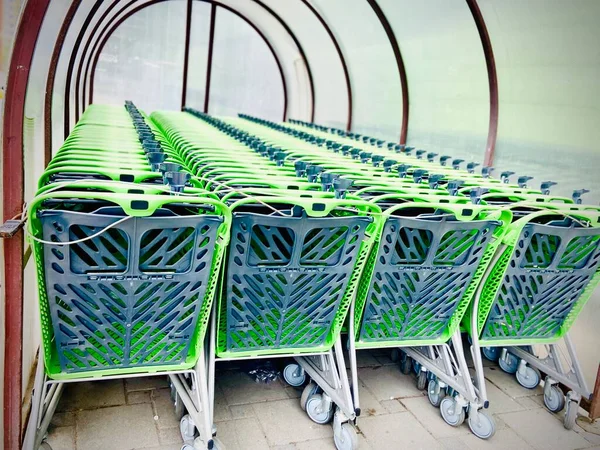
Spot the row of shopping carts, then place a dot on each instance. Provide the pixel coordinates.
(532, 286)
(301, 235)
(127, 271)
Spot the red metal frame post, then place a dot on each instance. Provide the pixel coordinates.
(209, 59)
(490, 63)
(13, 180)
(399, 63)
(186, 54)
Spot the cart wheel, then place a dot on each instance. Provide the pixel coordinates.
(452, 413)
(395, 355)
(421, 380)
(435, 394)
(509, 364)
(482, 425)
(346, 438)
(529, 378)
(570, 414)
(309, 390)
(45, 446)
(187, 447)
(294, 375)
(555, 401)
(405, 363)
(315, 411)
(187, 428)
(491, 353)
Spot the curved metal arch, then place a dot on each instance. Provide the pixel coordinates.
(13, 180)
(490, 63)
(302, 54)
(97, 53)
(94, 48)
(342, 60)
(60, 39)
(399, 62)
(74, 51)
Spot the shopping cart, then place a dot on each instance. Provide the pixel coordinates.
(127, 274)
(293, 266)
(542, 276)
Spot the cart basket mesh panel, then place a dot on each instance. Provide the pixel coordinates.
(286, 278)
(548, 270)
(131, 296)
(422, 270)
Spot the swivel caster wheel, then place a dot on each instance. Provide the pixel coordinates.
(452, 413)
(435, 393)
(346, 437)
(554, 400)
(405, 363)
(482, 425)
(528, 377)
(421, 380)
(570, 413)
(317, 409)
(294, 375)
(509, 363)
(491, 353)
(309, 390)
(187, 429)
(395, 355)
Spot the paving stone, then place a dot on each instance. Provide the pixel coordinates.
(135, 397)
(392, 406)
(453, 443)
(368, 403)
(242, 434)
(590, 431)
(222, 411)
(241, 411)
(500, 402)
(65, 419)
(293, 392)
(500, 424)
(540, 430)
(168, 436)
(431, 419)
(363, 444)
(125, 427)
(319, 444)
(92, 394)
(531, 402)
(62, 438)
(508, 383)
(164, 410)
(364, 358)
(502, 440)
(146, 383)
(388, 383)
(162, 447)
(398, 431)
(385, 359)
(240, 389)
(284, 422)
(284, 447)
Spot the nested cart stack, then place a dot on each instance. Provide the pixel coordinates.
(543, 273)
(293, 264)
(421, 275)
(126, 271)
